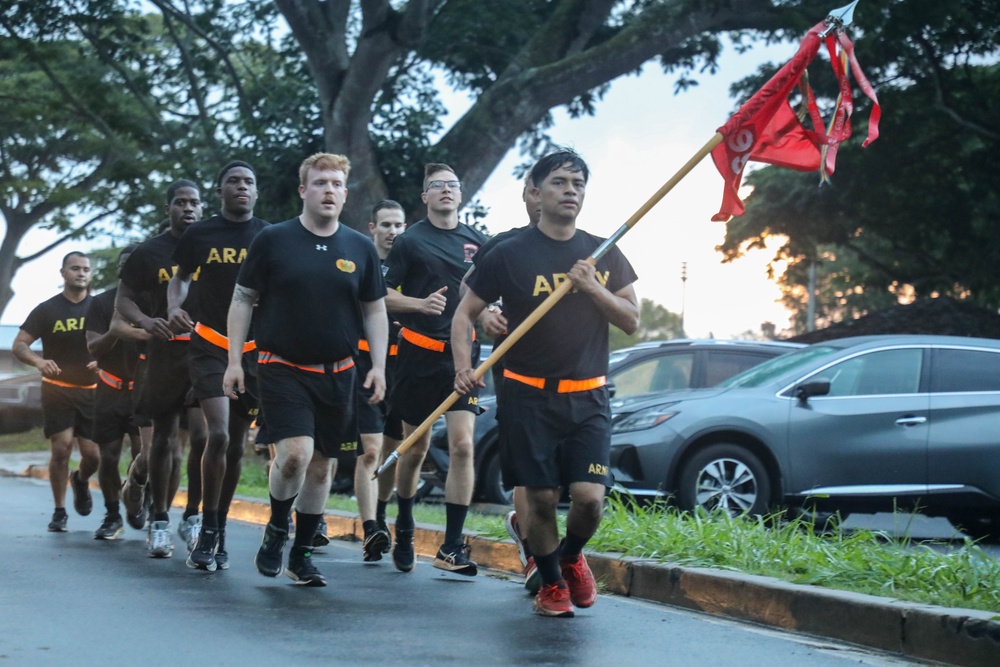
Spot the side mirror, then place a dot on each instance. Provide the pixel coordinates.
(817, 387)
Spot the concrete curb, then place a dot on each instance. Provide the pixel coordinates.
(964, 637)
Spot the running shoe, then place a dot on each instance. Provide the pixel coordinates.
(221, 555)
(321, 539)
(554, 600)
(134, 499)
(188, 530)
(158, 542)
(83, 502)
(202, 557)
(402, 553)
(514, 530)
(269, 555)
(111, 528)
(383, 526)
(456, 559)
(375, 544)
(301, 568)
(532, 577)
(58, 523)
(582, 587)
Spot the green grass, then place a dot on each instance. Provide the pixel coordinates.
(860, 561)
(28, 441)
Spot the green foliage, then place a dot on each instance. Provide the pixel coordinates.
(655, 323)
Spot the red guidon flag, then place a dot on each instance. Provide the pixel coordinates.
(767, 129)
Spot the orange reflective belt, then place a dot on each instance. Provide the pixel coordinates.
(363, 346)
(562, 386)
(67, 384)
(217, 339)
(336, 367)
(114, 381)
(187, 336)
(425, 342)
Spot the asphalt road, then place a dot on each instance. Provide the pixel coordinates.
(68, 599)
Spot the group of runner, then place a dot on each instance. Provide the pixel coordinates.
(330, 340)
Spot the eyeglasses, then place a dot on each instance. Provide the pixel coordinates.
(439, 185)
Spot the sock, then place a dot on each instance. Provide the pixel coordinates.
(380, 507)
(369, 527)
(189, 512)
(305, 529)
(548, 567)
(404, 518)
(280, 511)
(60, 511)
(112, 509)
(571, 546)
(210, 519)
(454, 523)
(161, 516)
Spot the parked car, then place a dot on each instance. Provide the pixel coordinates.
(857, 424)
(648, 367)
(20, 402)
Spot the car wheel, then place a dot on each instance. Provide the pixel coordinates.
(491, 487)
(977, 526)
(727, 477)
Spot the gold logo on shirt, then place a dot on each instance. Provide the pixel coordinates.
(346, 265)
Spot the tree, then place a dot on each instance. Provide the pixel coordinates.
(912, 215)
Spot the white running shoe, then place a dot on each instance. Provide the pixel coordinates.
(158, 543)
(188, 530)
(514, 530)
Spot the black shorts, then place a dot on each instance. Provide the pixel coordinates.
(167, 380)
(376, 418)
(67, 407)
(141, 375)
(208, 364)
(549, 439)
(114, 414)
(318, 405)
(423, 380)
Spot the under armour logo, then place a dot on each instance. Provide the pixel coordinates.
(320, 247)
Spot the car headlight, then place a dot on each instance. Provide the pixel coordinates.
(648, 418)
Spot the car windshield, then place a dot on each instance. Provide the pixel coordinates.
(770, 370)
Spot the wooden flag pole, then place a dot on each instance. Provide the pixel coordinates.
(551, 301)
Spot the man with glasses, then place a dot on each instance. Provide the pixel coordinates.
(425, 270)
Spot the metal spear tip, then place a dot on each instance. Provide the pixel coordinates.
(844, 16)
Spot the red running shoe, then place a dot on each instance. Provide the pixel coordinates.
(582, 587)
(553, 600)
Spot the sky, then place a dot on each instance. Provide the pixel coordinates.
(640, 136)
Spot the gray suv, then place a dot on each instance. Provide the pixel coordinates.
(863, 424)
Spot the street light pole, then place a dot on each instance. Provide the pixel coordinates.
(684, 279)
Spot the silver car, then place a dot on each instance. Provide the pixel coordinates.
(863, 424)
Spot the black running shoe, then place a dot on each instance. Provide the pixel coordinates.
(321, 539)
(301, 568)
(221, 555)
(83, 502)
(269, 556)
(203, 556)
(375, 544)
(111, 528)
(58, 523)
(383, 526)
(402, 553)
(134, 498)
(456, 559)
